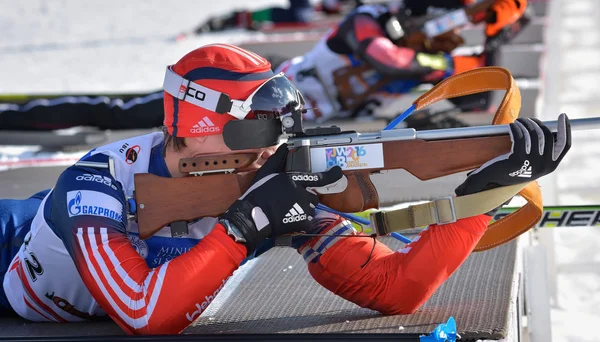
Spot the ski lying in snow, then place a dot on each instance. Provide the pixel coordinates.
(553, 217)
(55, 139)
(24, 98)
(562, 216)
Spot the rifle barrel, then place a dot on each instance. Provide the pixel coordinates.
(476, 131)
(399, 134)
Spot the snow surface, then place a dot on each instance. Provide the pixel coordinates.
(87, 46)
(71, 46)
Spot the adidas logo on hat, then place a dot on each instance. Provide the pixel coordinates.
(205, 126)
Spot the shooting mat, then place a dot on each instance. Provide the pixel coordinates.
(278, 295)
(272, 298)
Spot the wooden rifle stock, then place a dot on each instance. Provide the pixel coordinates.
(161, 201)
(214, 162)
(417, 157)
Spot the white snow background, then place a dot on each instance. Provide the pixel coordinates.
(76, 46)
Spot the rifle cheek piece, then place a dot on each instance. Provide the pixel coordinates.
(249, 134)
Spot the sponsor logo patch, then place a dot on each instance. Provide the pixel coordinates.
(93, 203)
(310, 178)
(347, 157)
(204, 126)
(96, 178)
(525, 171)
(132, 154)
(123, 148)
(63, 304)
(140, 246)
(208, 299)
(295, 214)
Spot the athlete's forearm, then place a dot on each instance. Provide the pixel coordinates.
(163, 300)
(395, 282)
(403, 63)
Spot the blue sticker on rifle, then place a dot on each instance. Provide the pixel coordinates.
(350, 157)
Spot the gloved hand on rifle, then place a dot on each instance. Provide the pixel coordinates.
(279, 202)
(536, 152)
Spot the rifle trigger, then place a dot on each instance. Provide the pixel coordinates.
(179, 228)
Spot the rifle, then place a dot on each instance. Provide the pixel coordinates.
(222, 179)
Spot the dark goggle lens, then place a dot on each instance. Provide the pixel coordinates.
(275, 98)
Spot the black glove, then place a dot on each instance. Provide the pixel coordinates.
(279, 203)
(536, 152)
